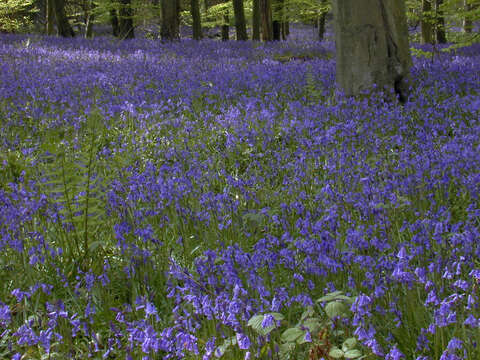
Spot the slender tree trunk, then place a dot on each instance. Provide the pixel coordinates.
(256, 20)
(90, 19)
(170, 29)
(440, 33)
(372, 46)
(197, 22)
(286, 28)
(277, 19)
(426, 22)
(240, 24)
(322, 21)
(63, 26)
(467, 21)
(50, 17)
(114, 22)
(267, 28)
(125, 20)
(225, 28)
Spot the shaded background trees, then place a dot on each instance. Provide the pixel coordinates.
(430, 21)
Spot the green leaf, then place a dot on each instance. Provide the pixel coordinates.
(307, 313)
(286, 350)
(255, 322)
(336, 353)
(224, 347)
(353, 354)
(330, 296)
(292, 334)
(313, 324)
(335, 308)
(276, 316)
(349, 344)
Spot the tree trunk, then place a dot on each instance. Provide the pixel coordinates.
(90, 19)
(440, 33)
(467, 21)
(266, 13)
(197, 22)
(240, 24)
(426, 22)
(372, 46)
(114, 22)
(225, 28)
(170, 29)
(322, 21)
(286, 28)
(321, 26)
(277, 19)
(63, 26)
(256, 20)
(125, 20)
(50, 17)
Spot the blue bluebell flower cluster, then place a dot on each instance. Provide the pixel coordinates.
(235, 180)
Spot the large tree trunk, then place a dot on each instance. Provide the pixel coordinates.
(197, 22)
(372, 46)
(440, 33)
(170, 29)
(427, 22)
(63, 26)
(266, 12)
(256, 20)
(240, 24)
(467, 21)
(50, 17)
(125, 20)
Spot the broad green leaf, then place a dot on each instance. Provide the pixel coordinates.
(313, 324)
(292, 334)
(224, 347)
(335, 308)
(349, 344)
(330, 296)
(277, 316)
(256, 324)
(336, 353)
(255, 321)
(353, 354)
(307, 313)
(286, 350)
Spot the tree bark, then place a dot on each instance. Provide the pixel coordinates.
(125, 20)
(372, 46)
(322, 21)
(114, 22)
(50, 17)
(63, 26)
(467, 21)
(277, 19)
(90, 19)
(426, 22)
(225, 28)
(197, 22)
(440, 33)
(240, 24)
(266, 13)
(170, 29)
(256, 20)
